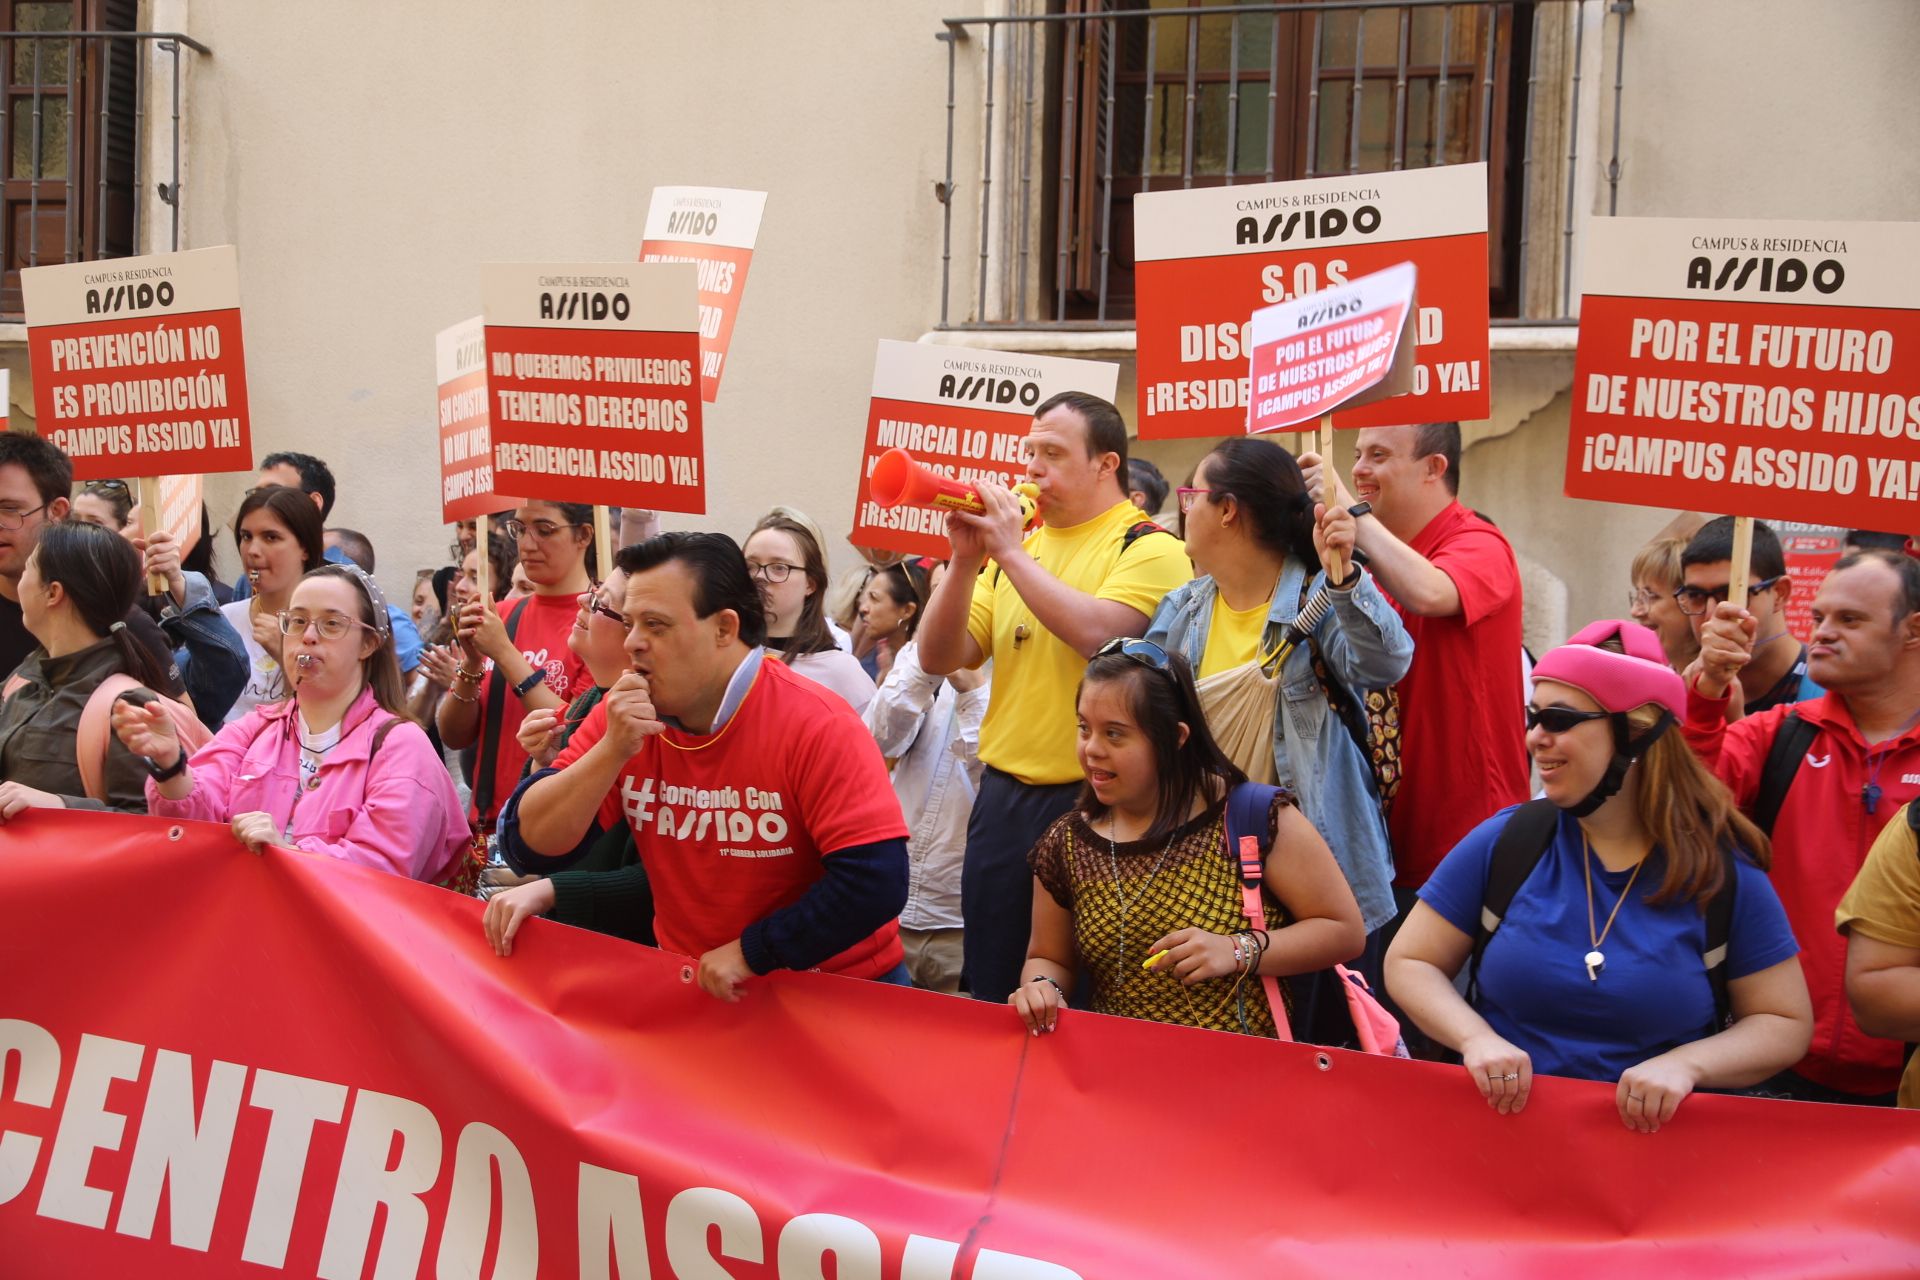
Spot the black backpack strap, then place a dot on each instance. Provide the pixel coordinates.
(1719, 933)
(483, 770)
(1137, 531)
(1517, 850)
(1790, 743)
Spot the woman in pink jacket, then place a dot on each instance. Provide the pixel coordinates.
(337, 768)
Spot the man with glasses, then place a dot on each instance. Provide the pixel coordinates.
(1823, 777)
(1777, 674)
(1094, 569)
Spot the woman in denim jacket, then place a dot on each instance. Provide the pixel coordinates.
(1253, 532)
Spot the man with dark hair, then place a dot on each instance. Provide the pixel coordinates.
(759, 804)
(1146, 487)
(1093, 570)
(1454, 579)
(1823, 777)
(300, 471)
(1777, 673)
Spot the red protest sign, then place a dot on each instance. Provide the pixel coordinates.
(466, 446)
(963, 414)
(1811, 552)
(714, 228)
(138, 365)
(1208, 258)
(268, 1116)
(1342, 346)
(593, 384)
(1756, 368)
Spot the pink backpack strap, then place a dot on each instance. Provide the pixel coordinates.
(1251, 876)
(15, 683)
(95, 734)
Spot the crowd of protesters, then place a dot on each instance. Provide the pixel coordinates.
(1181, 753)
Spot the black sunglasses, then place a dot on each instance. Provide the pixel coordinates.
(1561, 719)
(1144, 652)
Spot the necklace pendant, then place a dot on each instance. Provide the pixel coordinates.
(1595, 962)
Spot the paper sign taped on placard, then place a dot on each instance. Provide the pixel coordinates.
(1764, 369)
(138, 364)
(1344, 346)
(964, 414)
(1208, 258)
(466, 443)
(181, 497)
(714, 228)
(593, 383)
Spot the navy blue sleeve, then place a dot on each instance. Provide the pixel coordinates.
(1760, 936)
(860, 889)
(525, 860)
(1457, 889)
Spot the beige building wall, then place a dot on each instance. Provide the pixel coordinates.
(365, 156)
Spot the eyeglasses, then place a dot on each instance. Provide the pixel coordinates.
(1186, 496)
(1694, 601)
(330, 625)
(594, 605)
(541, 529)
(12, 518)
(1144, 652)
(1561, 719)
(773, 571)
(1642, 598)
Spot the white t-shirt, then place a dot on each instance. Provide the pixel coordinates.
(839, 671)
(264, 682)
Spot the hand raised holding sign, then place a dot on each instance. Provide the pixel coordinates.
(1334, 529)
(1726, 645)
(162, 556)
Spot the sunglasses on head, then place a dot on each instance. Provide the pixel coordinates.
(1144, 652)
(1561, 719)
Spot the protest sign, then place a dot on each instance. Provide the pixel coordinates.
(714, 228)
(1208, 258)
(6, 398)
(165, 1112)
(1755, 368)
(593, 383)
(1811, 552)
(1347, 345)
(466, 447)
(138, 367)
(178, 500)
(962, 413)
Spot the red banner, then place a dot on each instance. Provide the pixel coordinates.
(138, 364)
(714, 228)
(466, 444)
(1755, 368)
(1210, 257)
(593, 383)
(965, 415)
(210, 1060)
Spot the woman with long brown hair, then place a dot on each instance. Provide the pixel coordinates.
(279, 535)
(1604, 899)
(337, 768)
(784, 556)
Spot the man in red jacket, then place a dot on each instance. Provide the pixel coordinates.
(1858, 765)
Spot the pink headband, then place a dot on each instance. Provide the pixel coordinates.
(1617, 681)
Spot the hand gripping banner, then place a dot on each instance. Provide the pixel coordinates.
(215, 1064)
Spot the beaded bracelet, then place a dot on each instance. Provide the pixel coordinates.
(1050, 982)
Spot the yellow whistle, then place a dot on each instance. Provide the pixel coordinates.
(1152, 959)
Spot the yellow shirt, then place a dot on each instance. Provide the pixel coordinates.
(1233, 639)
(1884, 904)
(1029, 726)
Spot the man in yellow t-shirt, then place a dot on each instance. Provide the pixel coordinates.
(1043, 604)
(1881, 917)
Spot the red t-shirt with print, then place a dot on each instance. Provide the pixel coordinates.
(733, 826)
(541, 638)
(1463, 753)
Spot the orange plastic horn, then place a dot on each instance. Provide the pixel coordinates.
(897, 479)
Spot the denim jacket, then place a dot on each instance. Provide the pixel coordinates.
(211, 657)
(1365, 647)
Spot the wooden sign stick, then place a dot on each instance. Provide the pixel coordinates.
(1329, 489)
(1740, 571)
(148, 488)
(481, 536)
(602, 544)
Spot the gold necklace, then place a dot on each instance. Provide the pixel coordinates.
(1595, 959)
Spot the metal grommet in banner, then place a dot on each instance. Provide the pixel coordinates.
(686, 973)
(1323, 1062)
(176, 833)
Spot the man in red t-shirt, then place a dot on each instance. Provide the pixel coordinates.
(1451, 574)
(759, 804)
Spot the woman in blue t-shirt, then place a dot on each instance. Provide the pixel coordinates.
(1597, 969)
